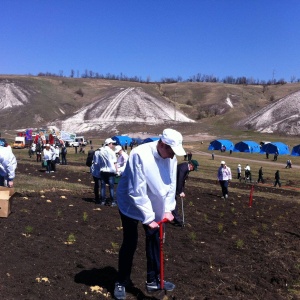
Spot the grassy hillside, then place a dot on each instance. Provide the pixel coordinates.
(58, 98)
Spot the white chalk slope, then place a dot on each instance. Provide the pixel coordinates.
(130, 105)
(12, 95)
(281, 116)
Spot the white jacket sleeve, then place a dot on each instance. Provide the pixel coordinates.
(8, 163)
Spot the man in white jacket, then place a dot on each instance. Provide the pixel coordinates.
(8, 165)
(146, 193)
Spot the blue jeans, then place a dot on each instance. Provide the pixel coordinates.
(107, 178)
(48, 166)
(224, 186)
(128, 248)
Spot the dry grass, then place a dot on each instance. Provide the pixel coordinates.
(37, 184)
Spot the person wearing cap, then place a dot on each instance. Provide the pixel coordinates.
(224, 175)
(239, 172)
(109, 169)
(146, 194)
(183, 171)
(8, 165)
(122, 158)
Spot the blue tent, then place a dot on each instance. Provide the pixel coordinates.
(272, 148)
(217, 145)
(247, 146)
(121, 139)
(150, 139)
(137, 141)
(296, 150)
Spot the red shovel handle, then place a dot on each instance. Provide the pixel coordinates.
(161, 256)
(165, 220)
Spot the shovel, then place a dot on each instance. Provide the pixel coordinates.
(182, 211)
(162, 236)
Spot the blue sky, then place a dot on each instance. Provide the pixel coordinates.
(155, 39)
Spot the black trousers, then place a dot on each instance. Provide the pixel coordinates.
(128, 248)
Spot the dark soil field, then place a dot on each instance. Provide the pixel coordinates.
(58, 244)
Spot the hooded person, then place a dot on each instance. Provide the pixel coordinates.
(146, 194)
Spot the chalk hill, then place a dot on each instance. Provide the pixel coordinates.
(111, 106)
(281, 116)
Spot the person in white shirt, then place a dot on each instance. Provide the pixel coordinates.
(32, 149)
(239, 171)
(224, 175)
(109, 169)
(122, 158)
(146, 193)
(49, 156)
(57, 155)
(8, 164)
(248, 173)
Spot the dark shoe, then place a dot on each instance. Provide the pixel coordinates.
(103, 203)
(178, 223)
(119, 291)
(155, 286)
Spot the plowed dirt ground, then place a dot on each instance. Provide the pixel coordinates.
(227, 250)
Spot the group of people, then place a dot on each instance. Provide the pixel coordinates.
(247, 172)
(107, 163)
(224, 176)
(51, 155)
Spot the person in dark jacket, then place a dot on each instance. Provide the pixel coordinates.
(260, 176)
(183, 171)
(64, 155)
(277, 178)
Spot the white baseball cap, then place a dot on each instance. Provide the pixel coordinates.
(108, 141)
(222, 162)
(118, 148)
(173, 138)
